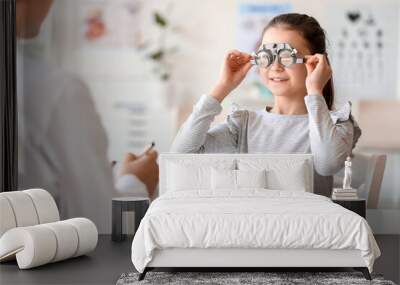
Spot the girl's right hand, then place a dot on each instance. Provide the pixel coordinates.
(234, 69)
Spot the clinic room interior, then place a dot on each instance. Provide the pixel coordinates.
(205, 142)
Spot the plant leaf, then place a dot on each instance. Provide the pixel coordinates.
(160, 20)
(158, 55)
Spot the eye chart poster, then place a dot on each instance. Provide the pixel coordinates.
(363, 49)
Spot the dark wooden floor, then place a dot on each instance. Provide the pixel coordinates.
(110, 260)
(102, 266)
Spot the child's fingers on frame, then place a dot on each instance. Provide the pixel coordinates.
(237, 62)
(236, 52)
(323, 61)
(239, 56)
(233, 66)
(234, 60)
(312, 61)
(315, 57)
(242, 59)
(232, 63)
(310, 58)
(322, 57)
(233, 52)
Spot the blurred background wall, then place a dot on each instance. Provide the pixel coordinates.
(147, 62)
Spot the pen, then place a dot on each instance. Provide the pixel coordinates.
(114, 162)
(149, 148)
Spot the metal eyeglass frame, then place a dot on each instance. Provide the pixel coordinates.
(268, 53)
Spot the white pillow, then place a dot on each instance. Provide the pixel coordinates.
(293, 180)
(251, 178)
(223, 179)
(282, 174)
(193, 173)
(187, 177)
(226, 179)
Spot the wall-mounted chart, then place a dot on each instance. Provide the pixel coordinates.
(363, 50)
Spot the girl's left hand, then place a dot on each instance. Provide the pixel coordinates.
(318, 73)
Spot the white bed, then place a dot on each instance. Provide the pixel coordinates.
(200, 221)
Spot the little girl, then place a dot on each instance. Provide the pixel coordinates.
(301, 119)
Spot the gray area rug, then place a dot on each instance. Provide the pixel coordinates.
(225, 278)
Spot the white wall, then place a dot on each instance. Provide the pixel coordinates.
(205, 32)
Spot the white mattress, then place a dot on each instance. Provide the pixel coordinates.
(253, 218)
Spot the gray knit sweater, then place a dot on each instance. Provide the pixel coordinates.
(328, 135)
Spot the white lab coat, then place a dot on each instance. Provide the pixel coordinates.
(63, 145)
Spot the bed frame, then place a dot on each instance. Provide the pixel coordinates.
(248, 259)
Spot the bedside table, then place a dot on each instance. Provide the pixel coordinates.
(358, 206)
(139, 205)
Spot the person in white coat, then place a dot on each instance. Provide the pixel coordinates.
(62, 143)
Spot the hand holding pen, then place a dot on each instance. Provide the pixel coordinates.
(144, 167)
(147, 151)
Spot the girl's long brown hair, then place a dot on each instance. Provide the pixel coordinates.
(312, 32)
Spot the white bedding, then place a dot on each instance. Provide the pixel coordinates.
(252, 218)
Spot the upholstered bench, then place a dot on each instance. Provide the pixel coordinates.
(31, 231)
